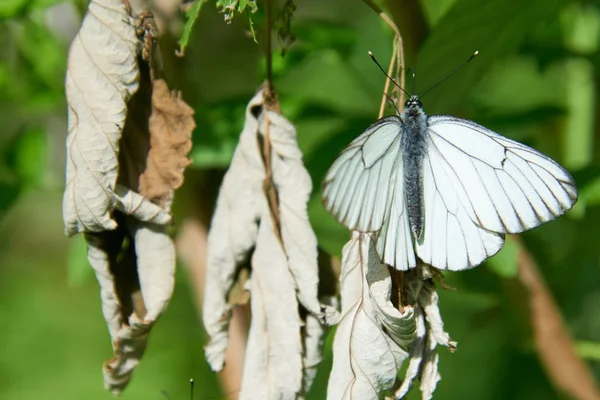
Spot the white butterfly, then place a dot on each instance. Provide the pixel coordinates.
(442, 188)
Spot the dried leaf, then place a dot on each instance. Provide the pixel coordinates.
(293, 185)
(231, 238)
(284, 274)
(366, 358)
(127, 147)
(430, 333)
(273, 368)
(171, 126)
(136, 285)
(374, 338)
(102, 75)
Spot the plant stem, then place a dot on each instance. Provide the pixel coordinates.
(397, 60)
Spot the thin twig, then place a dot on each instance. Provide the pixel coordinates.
(386, 88)
(268, 51)
(270, 103)
(397, 59)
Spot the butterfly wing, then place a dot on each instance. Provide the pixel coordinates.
(480, 185)
(450, 239)
(357, 188)
(394, 242)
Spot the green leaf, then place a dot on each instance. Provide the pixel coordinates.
(579, 123)
(218, 155)
(496, 28)
(30, 157)
(327, 80)
(505, 262)
(588, 350)
(191, 16)
(78, 270)
(590, 194)
(11, 8)
(229, 7)
(251, 26)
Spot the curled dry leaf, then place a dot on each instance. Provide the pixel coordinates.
(102, 75)
(366, 359)
(136, 284)
(171, 126)
(283, 258)
(126, 150)
(374, 338)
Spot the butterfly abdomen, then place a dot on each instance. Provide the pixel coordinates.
(413, 150)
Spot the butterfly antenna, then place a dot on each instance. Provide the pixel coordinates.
(449, 75)
(385, 73)
(192, 389)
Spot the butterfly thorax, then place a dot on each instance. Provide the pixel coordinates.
(413, 145)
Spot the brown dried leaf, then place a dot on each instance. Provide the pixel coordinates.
(171, 126)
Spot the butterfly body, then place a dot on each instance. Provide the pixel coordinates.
(442, 189)
(413, 145)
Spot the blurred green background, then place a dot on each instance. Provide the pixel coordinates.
(536, 80)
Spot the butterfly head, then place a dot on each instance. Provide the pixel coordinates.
(413, 102)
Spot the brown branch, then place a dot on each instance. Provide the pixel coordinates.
(268, 46)
(270, 103)
(192, 246)
(554, 345)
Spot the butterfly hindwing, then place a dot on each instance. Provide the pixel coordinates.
(357, 186)
(394, 241)
(450, 239)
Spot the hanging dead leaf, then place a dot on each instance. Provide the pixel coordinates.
(127, 147)
(102, 75)
(374, 338)
(284, 271)
(366, 359)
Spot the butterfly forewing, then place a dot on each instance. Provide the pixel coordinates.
(504, 191)
(356, 187)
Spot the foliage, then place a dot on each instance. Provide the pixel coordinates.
(535, 80)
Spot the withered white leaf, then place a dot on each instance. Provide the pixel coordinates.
(373, 337)
(284, 263)
(135, 289)
(114, 104)
(102, 75)
(273, 367)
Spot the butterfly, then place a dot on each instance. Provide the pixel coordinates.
(441, 189)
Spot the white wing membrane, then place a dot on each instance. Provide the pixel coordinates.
(394, 242)
(477, 186)
(357, 186)
(504, 186)
(450, 240)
